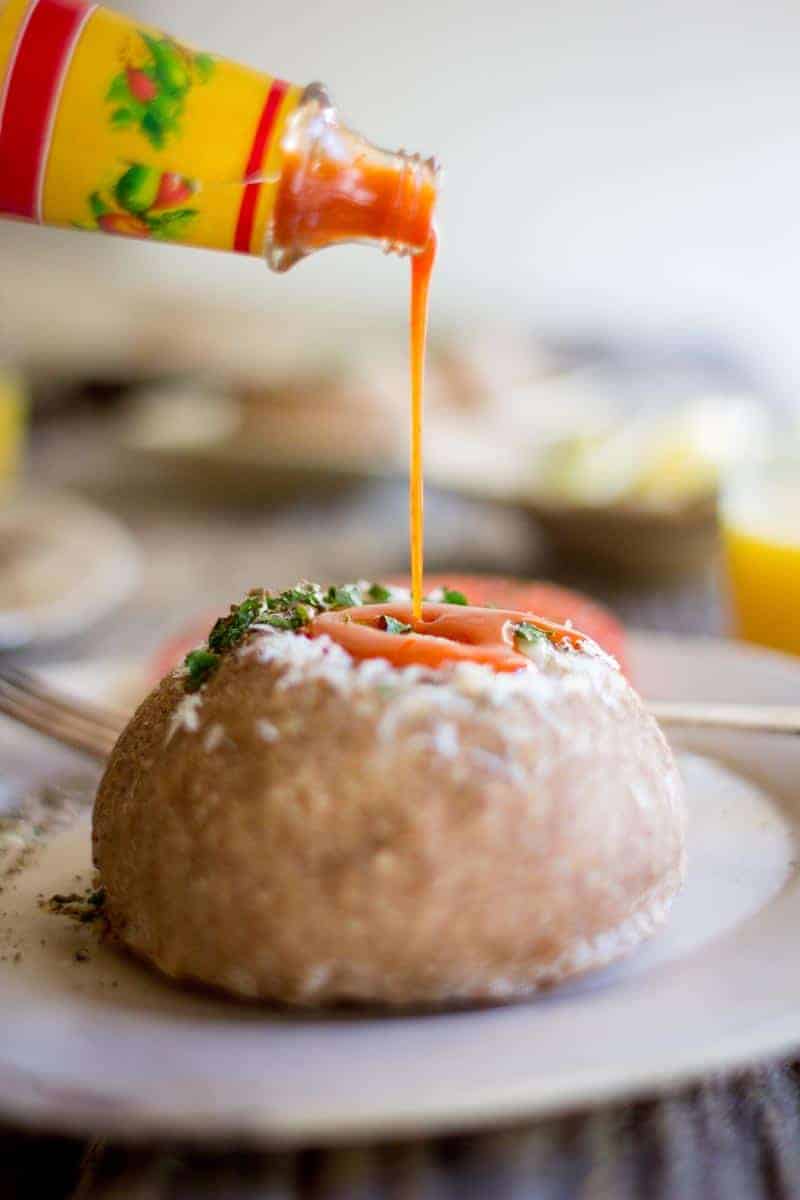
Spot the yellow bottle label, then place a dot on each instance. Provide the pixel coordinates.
(113, 126)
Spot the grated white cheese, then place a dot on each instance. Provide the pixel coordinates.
(213, 737)
(266, 730)
(553, 671)
(186, 715)
(446, 740)
(539, 651)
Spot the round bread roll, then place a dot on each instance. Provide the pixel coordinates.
(311, 829)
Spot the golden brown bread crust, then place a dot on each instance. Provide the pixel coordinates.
(311, 830)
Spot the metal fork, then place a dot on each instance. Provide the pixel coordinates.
(76, 723)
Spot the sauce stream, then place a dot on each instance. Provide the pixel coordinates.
(421, 268)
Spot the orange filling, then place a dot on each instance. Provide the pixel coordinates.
(445, 633)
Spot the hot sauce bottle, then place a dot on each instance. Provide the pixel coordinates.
(113, 126)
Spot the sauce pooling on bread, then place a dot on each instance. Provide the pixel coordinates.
(445, 633)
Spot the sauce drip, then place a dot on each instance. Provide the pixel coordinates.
(442, 634)
(421, 268)
(335, 187)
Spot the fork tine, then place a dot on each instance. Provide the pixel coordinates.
(34, 686)
(71, 729)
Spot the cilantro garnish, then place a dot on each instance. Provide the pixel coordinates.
(230, 630)
(289, 611)
(308, 593)
(392, 625)
(200, 664)
(284, 621)
(528, 633)
(379, 594)
(450, 596)
(348, 596)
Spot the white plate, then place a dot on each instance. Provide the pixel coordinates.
(107, 1046)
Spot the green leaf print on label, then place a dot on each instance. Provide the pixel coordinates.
(204, 65)
(136, 189)
(144, 203)
(98, 205)
(152, 94)
(122, 117)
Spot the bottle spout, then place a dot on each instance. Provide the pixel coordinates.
(335, 187)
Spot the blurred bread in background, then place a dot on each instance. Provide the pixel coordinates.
(266, 402)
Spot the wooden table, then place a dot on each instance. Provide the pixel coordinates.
(729, 1139)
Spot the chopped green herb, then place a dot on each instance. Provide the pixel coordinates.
(379, 594)
(200, 664)
(305, 594)
(450, 596)
(343, 597)
(84, 909)
(290, 611)
(392, 625)
(282, 621)
(528, 633)
(230, 630)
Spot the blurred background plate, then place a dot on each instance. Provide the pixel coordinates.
(212, 441)
(63, 565)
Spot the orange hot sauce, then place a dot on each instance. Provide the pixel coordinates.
(443, 633)
(421, 269)
(377, 199)
(336, 188)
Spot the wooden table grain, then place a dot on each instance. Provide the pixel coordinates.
(728, 1139)
(732, 1138)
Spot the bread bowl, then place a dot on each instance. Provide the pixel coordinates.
(327, 806)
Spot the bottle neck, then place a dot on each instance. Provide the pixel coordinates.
(336, 187)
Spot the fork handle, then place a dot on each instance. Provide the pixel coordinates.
(758, 718)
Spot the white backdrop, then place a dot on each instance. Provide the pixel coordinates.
(620, 166)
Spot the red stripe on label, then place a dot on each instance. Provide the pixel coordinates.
(247, 211)
(32, 88)
(12, 58)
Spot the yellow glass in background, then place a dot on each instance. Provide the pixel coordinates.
(760, 520)
(13, 426)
